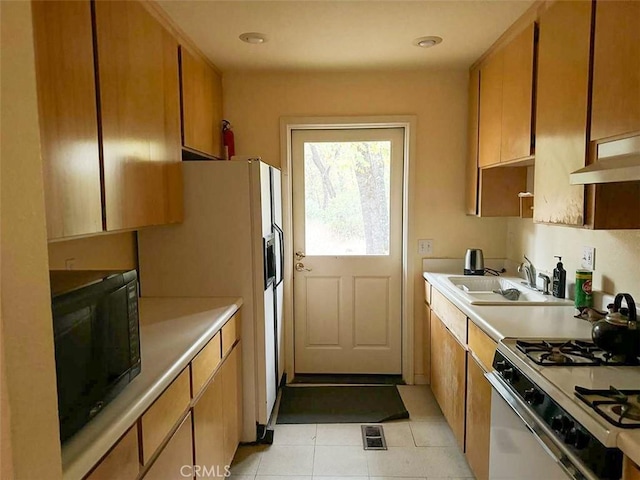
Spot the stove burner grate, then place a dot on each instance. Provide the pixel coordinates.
(619, 407)
(572, 352)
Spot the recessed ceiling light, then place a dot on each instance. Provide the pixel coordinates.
(253, 38)
(426, 42)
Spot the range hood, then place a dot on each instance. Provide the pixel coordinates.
(618, 161)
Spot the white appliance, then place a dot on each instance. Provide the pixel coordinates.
(230, 244)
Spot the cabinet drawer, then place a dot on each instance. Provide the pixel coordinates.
(454, 319)
(204, 364)
(230, 334)
(122, 461)
(427, 292)
(483, 346)
(158, 421)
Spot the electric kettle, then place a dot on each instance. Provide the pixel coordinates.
(473, 262)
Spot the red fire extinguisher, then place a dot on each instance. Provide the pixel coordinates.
(228, 140)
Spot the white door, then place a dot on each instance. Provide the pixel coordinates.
(347, 223)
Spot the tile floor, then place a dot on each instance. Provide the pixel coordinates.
(422, 447)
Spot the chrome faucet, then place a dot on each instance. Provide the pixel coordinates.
(545, 283)
(530, 273)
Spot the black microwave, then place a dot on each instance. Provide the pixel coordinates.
(97, 346)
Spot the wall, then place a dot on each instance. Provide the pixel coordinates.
(29, 385)
(617, 252)
(254, 103)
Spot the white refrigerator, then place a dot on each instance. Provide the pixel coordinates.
(230, 244)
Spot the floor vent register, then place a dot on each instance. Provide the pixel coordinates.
(373, 437)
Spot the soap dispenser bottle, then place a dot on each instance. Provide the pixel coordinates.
(559, 279)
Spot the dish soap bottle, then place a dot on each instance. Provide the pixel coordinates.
(559, 279)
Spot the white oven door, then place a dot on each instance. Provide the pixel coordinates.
(514, 451)
(522, 447)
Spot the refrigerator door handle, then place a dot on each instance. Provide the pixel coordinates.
(281, 235)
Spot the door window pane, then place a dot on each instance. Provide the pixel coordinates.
(347, 198)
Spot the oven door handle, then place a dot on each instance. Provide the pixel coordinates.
(541, 432)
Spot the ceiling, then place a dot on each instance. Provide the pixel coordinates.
(343, 35)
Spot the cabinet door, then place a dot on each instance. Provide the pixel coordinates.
(472, 136)
(517, 96)
(561, 117)
(448, 376)
(122, 461)
(201, 105)
(208, 423)
(478, 420)
(230, 374)
(175, 462)
(68, 117)
(490, 128)
(140, 113)
(615, 108)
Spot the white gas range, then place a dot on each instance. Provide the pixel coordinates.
(534, 392)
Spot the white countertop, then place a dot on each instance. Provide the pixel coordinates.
(520, 321)
(172, 331)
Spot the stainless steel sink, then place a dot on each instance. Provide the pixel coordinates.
(480, 291)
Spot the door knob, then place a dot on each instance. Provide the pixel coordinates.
(301, 268)
(300, 255)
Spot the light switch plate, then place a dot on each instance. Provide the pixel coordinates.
(589, 258)
(425, 247)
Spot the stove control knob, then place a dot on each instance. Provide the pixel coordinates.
(508, 373)
(561, 424)
(571, 436)
(582, 440)
(533, 396)
(557, 423)
(501, 365)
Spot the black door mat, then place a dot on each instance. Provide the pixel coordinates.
(341, 404)
(348, 379)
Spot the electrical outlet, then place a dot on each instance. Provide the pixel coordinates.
(589, 258)
(69, 263)
(425, 247)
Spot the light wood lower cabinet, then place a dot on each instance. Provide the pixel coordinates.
(122, 462)
(208, 424)
(175, 462)
(448, 376)
(161, 417)
(478, 421)
(630, 471)
(230, 376)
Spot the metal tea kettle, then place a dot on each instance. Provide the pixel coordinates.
(618, 332)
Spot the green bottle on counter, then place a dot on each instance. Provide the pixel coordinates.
(583, 297)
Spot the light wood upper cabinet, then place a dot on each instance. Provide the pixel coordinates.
(471, 189)
(140, 112)
(201, 105)
(517, 96)
(615, 108)
(506, 101)
(68, 117)
(490, 127)
(562, 107)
